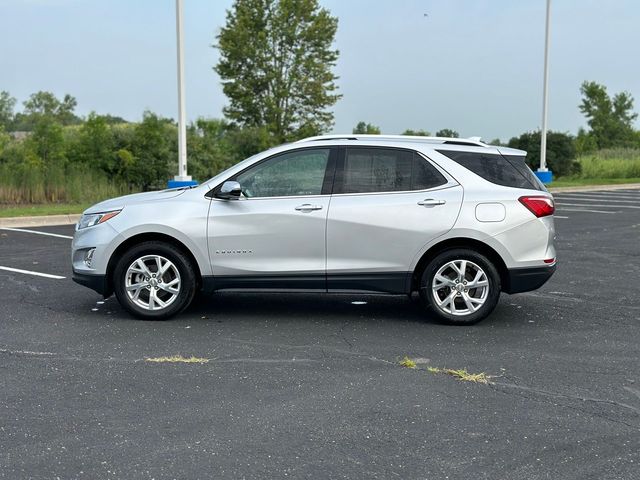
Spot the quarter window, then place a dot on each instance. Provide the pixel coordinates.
(291, 174)
(492, 167)
(369, 170)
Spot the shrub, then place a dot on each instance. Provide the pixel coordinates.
(561, 151)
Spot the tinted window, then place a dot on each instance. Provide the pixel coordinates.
(492, 167)
(425, 175)
(294, 173)
(387, 170)
(520, 165)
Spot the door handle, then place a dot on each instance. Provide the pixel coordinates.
(430, 202)
(307, 207)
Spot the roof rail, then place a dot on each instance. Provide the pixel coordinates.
(407, 138)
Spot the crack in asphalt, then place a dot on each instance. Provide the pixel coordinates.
(340, 334)
(57, 356)
(543, 397)
(323, 349)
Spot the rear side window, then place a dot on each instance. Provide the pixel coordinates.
(368, 170)
(494, 168)
(520, 165)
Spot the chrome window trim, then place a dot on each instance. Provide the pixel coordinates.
(445, 186)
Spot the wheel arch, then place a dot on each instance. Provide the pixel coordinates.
(146, 237)
(460, 242)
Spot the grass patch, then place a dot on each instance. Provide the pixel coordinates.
(28, 183)
(176, 359)
(605, 167)
(461, 374)
(42, 209)
(407, 362)
(578, 182)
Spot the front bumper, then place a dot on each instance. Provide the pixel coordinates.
(526, 279)
(97, 283)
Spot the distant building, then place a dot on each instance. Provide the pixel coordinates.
(19, 135)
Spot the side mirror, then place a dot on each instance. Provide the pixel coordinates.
(229, 191)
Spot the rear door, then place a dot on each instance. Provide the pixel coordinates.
(387, 204)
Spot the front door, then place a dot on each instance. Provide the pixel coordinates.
(273, 237)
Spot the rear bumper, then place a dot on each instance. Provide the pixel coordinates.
(526, 279)
(97, 283)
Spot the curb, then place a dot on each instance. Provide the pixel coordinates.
(592, 188)
(39, 221)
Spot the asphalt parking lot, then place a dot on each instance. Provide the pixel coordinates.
(310, 386)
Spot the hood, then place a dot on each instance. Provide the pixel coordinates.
(120, 202)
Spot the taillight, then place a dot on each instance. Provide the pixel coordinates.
(538, 205)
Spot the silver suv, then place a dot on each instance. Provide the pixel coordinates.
(457, 220)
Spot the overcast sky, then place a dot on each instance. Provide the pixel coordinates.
(471, 65)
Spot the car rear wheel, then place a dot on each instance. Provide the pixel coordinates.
(461, 287)
(154, 281)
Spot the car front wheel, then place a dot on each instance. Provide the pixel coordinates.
(154, 281)
(461, 287)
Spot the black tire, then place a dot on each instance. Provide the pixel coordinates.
(182, 263)
(428, 296)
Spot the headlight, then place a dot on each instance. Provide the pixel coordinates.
(91, 219)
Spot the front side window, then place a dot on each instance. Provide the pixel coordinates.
(368, 170)
(291, 174)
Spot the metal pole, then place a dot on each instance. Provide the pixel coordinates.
(182, 115)
(545, 95)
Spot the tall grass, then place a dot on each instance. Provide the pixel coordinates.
(615, 163)
(31, 183)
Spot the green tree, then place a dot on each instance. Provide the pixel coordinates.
(208, 150)
(416, 133)
(366, 128)
(155, 150)
(561, 151)
(585, 142)
(95, 146)
(447, 132)
(610, 119)
(7, 104)
(276, 62)
(47, 142)
(45, 104)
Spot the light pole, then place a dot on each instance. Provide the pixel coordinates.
(543, 173)
(182, 179)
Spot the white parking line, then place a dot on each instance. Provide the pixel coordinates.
(29, 272)
(604, 194)
(600, 199)
(596, 206)
(581, 210)
(37, 232)
(559, 216)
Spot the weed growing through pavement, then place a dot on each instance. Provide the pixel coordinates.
(408, 363)
(460, 374)
(176, 359)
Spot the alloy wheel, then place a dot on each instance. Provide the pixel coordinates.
(152, 282)
(460, 287)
